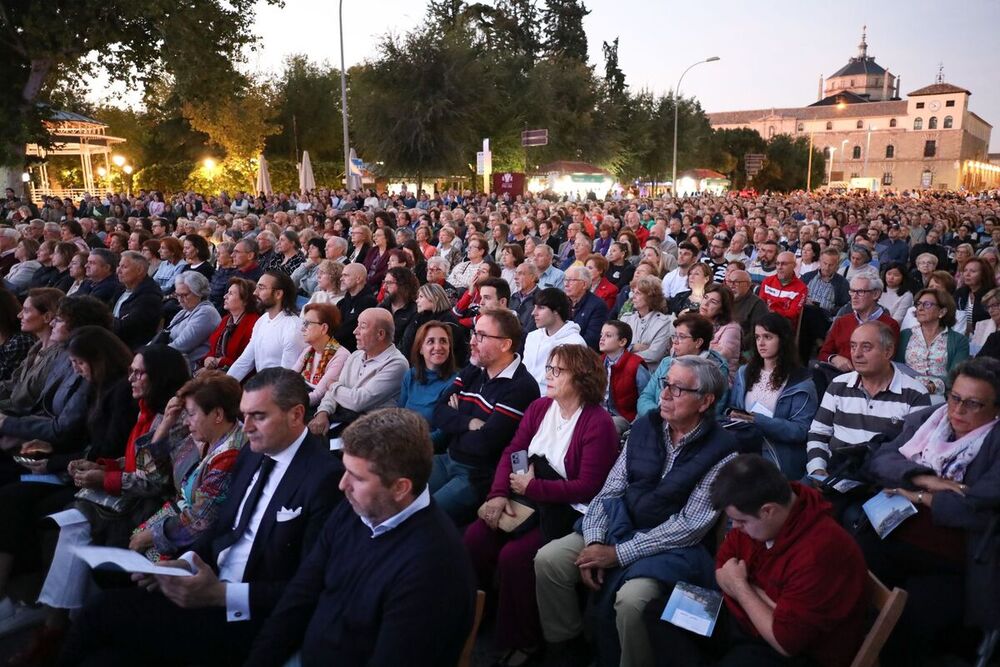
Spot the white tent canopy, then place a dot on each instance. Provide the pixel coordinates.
(307, 182)
(263, 177)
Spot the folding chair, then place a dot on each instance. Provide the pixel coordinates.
(470, 643)
(890, 606)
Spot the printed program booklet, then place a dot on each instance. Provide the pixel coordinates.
(888, 511)
(693, 608)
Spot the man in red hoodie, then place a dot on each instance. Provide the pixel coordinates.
(794, 581)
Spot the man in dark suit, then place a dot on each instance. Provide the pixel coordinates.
(589, 310)
(284, 487)
(101, 282)
(138, 304)
(389, 582)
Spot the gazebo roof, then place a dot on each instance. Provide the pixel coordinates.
(58, 115)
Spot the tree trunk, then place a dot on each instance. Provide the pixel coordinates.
(10, 174)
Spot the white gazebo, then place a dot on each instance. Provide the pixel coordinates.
(73, 134)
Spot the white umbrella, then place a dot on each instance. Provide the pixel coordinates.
(263, 177)
(307, 182)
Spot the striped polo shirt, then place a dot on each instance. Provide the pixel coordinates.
(849, 416)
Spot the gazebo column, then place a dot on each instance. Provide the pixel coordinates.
(88, 168)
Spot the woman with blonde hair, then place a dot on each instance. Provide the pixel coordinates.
(651, 326)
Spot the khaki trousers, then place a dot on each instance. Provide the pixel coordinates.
(556, 578)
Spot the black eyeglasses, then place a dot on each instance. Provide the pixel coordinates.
(676, 391)
(967, 404)
(859, 292)
(480, 335)
(554, 371)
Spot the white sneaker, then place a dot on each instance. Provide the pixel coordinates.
(15, 616)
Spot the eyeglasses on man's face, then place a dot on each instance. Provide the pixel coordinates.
(676, 391)
(479, 336)
(859, 292)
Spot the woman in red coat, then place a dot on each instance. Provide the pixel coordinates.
(571, 444)
(600, 285)
(232, 335)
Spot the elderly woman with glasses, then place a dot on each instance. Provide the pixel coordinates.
(932, 347)
(946, 462)
(190, 329)
(323, 358)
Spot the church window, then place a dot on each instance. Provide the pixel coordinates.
(930, 148)
(770, 131)
(949, 103)
(800, 127)
(918, 123)
(920, 105)
(829, 125)
(892, 122)
(948, 122)
(890, 151)
(932, 123)
(887, 178)
(856, 153)
(860, 124)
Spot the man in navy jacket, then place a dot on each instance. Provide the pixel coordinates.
(589, 310)
(283, 488)
(389, 582)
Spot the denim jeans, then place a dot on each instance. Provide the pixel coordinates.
(453, 488)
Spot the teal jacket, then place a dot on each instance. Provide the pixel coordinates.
(650, 396)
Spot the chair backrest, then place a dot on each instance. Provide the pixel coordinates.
(470, 643)
(890, 606)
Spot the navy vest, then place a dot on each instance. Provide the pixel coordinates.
(652, 499)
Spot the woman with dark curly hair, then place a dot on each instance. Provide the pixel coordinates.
(569, 444)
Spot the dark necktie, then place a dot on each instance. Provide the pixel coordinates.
(266, 466)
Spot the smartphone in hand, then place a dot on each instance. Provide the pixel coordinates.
(519, 461)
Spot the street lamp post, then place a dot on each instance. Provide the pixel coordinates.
(673, 176)
(343, 103)
(868, 148)
(833, 150)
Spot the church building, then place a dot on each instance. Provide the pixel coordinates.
(930, 139)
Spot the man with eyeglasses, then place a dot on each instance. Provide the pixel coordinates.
(716, 259)
(479, 414)
(783, 292)
(865, 291)
(867, 404)
(644, 531)
(748, 308)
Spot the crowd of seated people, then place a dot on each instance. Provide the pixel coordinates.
(341, 419)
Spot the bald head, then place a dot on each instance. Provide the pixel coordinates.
(375, 331)
(353, 278)
(786, 266)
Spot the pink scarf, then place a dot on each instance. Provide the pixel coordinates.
(930, 446)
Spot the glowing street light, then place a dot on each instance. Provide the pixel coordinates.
(119, 160)
(102, 172)
(209, 163)
(127, 169)
(673, 177)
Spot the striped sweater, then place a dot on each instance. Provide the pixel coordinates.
(499, 401)
(849, 416)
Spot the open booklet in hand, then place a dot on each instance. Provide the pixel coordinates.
(110, 558)
(693, 608)
(887, 511)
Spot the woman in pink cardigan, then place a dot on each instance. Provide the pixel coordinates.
(717, 306)
(571, 444)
